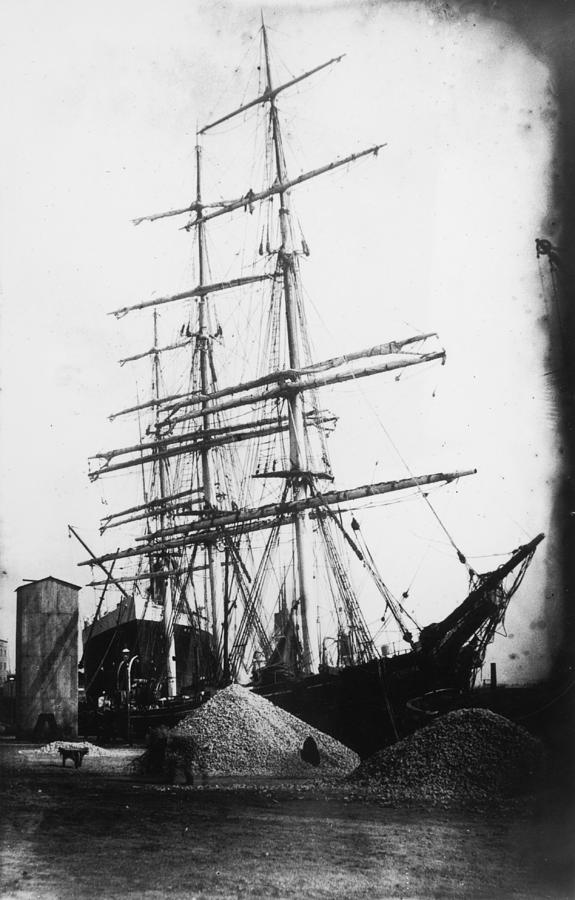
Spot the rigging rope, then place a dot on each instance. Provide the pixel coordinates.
(461, 557)
(364, 555)
(357, 624)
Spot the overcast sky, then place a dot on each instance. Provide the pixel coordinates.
(101, 103)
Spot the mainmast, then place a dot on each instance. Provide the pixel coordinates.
(297, 449)
(168, 609)
(203, 339)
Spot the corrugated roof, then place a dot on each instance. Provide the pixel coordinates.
(50, 578)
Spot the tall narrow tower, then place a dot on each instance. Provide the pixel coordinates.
(47, 655)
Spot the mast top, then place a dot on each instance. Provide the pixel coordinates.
(270, 93)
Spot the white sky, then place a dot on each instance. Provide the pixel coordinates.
(100, 104)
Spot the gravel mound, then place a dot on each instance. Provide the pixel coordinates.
(54, 746)
(238, 732)
(465, 756)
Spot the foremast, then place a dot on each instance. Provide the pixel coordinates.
(168, 605)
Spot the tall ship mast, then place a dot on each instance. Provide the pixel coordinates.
(243, 567)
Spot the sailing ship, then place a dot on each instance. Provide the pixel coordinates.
(243, 536)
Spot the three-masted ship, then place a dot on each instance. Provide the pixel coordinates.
(242, 567)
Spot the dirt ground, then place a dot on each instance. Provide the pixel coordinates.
(99, 831)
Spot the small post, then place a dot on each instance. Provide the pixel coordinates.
(493, 681)
(226, 623)
(128, 663)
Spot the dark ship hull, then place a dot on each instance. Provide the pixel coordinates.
(363, 706)
(135, 638)
(366, 706)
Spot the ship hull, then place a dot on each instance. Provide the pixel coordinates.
(126, 704)
(364, 706)
(104, 654)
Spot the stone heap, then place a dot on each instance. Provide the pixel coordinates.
(54, 746)
(238, 733)
(465, 756)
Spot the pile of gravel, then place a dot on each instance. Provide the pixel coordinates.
(54, 746)
(465, 756)
(240, 733)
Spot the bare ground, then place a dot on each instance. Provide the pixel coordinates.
(99, 832)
